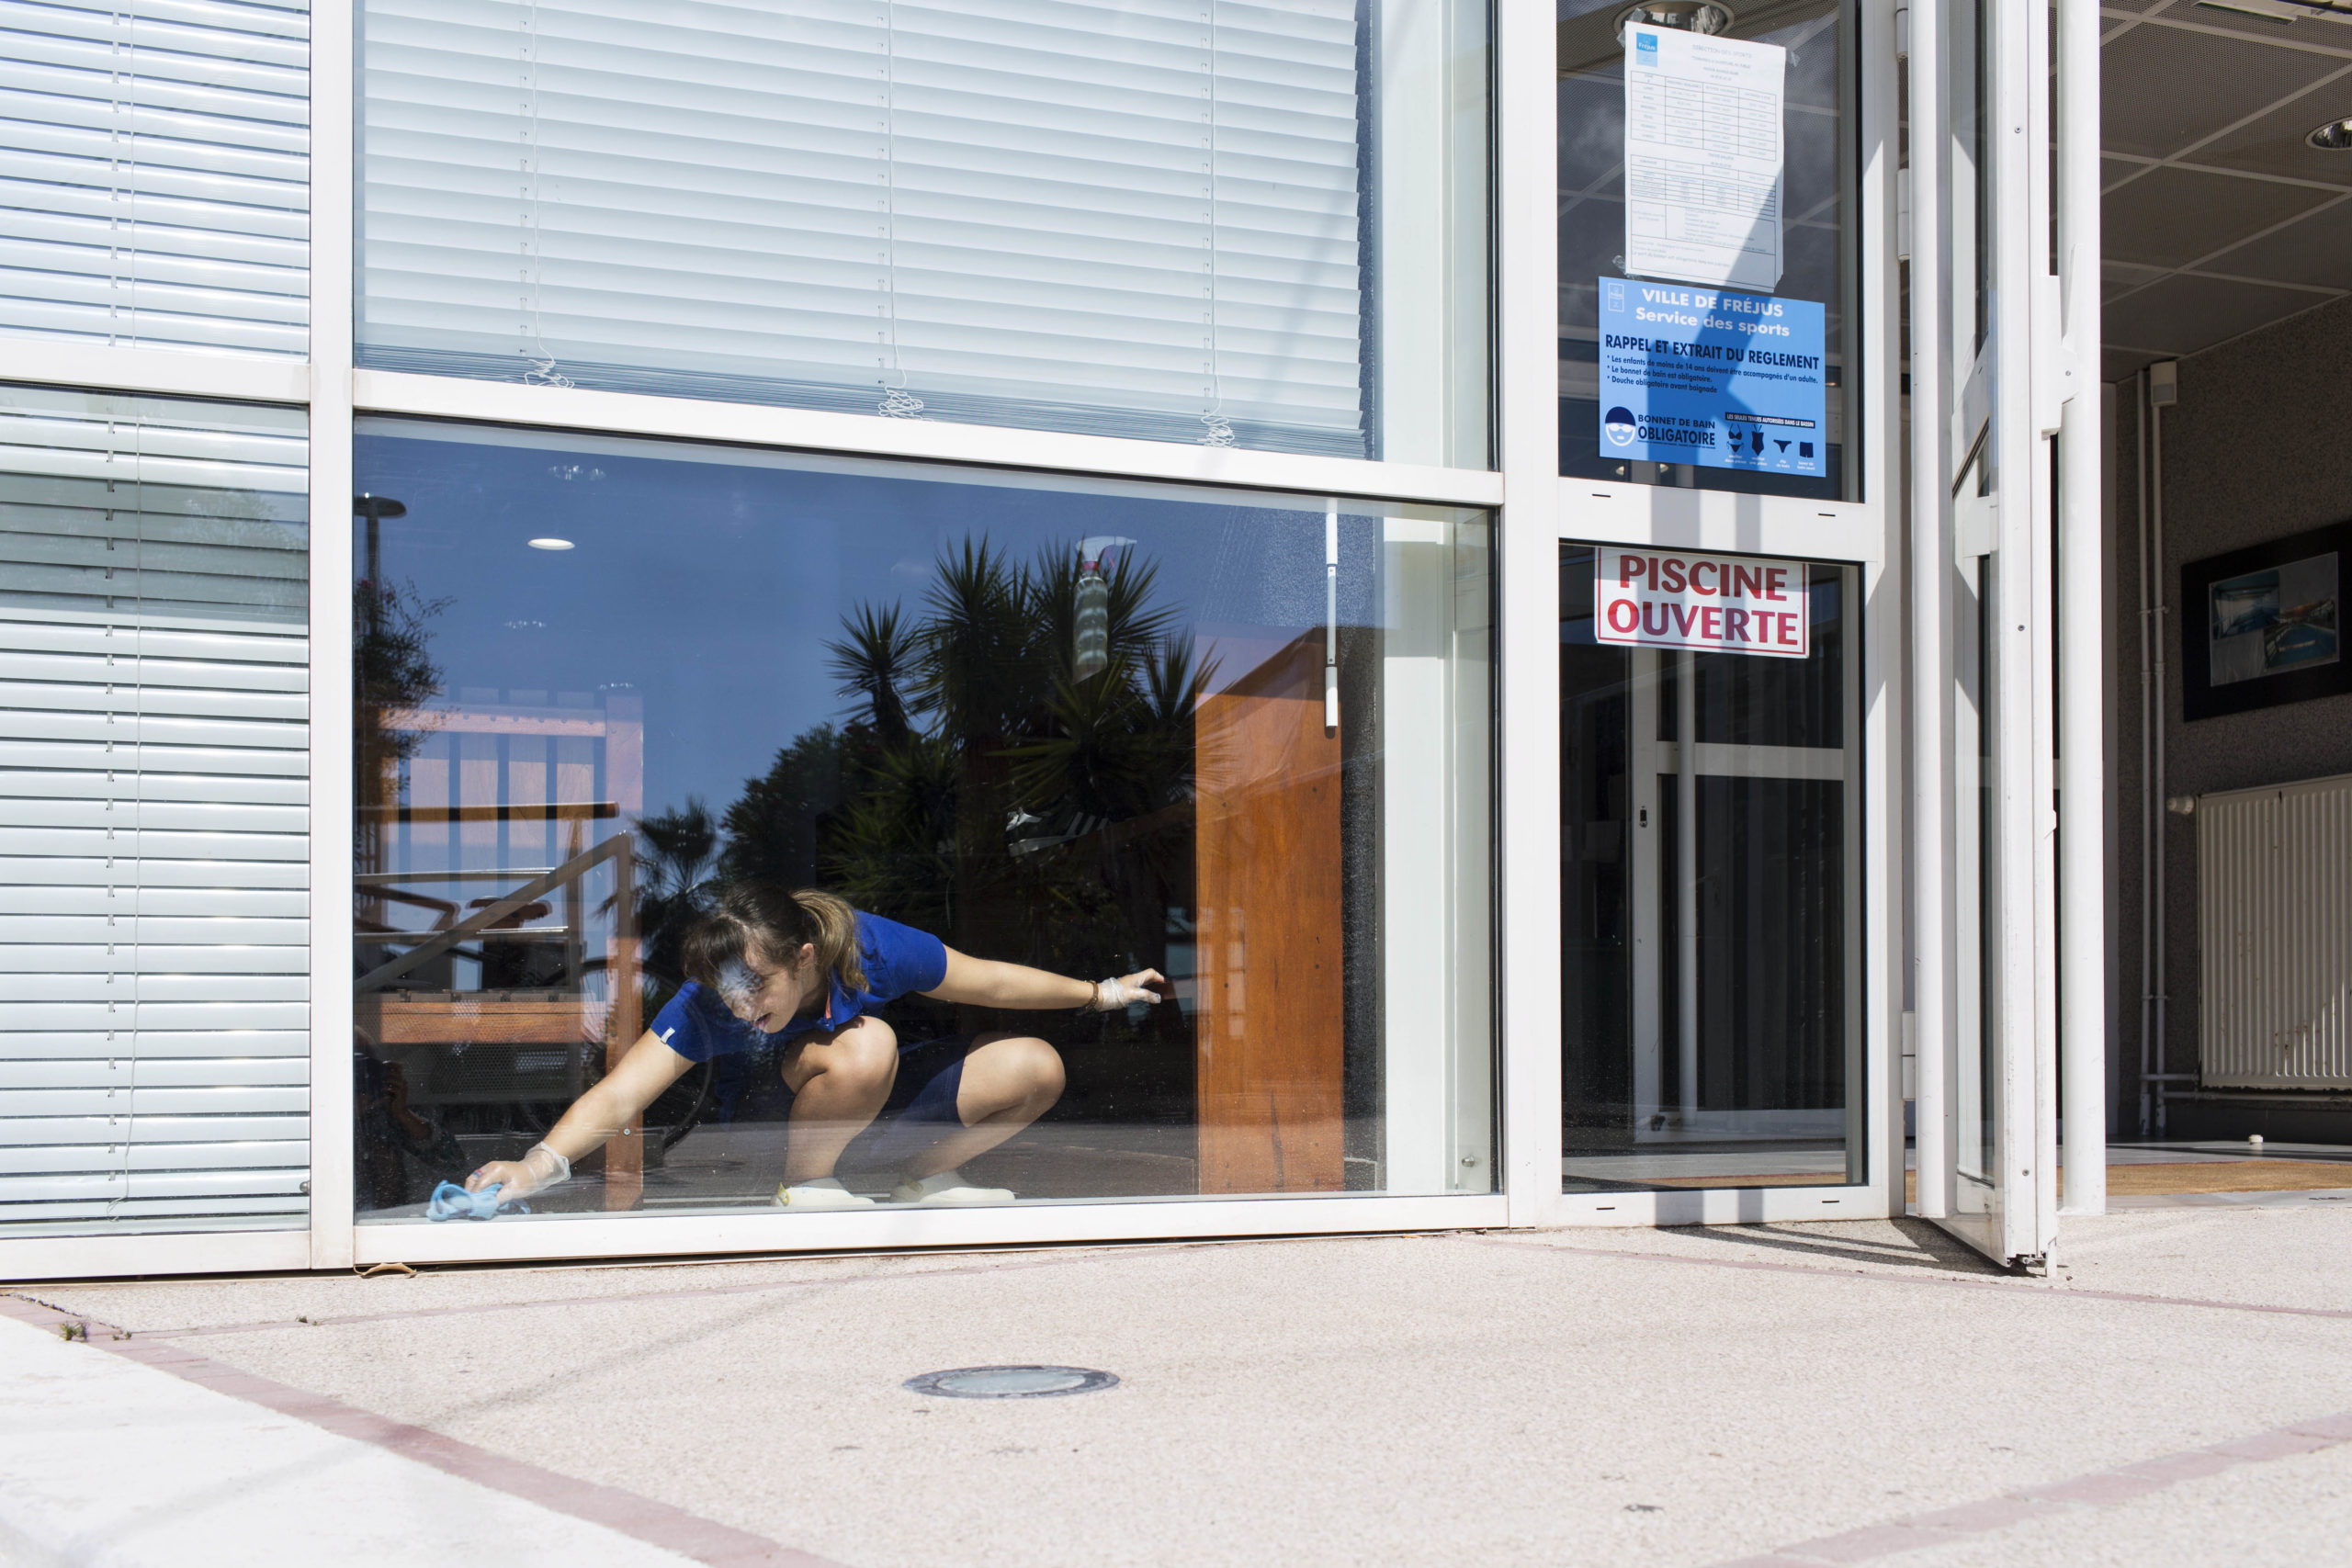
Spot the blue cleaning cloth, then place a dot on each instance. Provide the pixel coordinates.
(451, 1201)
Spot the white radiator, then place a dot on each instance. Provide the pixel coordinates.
(2274, 923)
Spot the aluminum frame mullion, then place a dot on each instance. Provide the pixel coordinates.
(2082, 675)
(2044, 324)
(331, 697)
(2020, 584)
(154, 1252)
(1879, 1092)
(1933, 866)
(1611, 512)
(773, 1232)
(769, 425)
(166, 372)
(1528, 666)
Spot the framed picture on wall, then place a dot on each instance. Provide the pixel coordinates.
(2264, 624)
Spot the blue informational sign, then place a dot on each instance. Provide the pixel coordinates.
(1706, 375)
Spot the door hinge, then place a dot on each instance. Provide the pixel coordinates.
(1975, 525)
(2049, 378)
(2071, 356)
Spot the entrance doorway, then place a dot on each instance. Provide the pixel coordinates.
(1713, 1011)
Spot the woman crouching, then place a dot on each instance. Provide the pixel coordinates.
(806, 968)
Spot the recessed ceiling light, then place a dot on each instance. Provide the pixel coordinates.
(2335, 136)
(550, 544)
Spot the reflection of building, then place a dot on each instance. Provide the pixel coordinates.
(502, 973)
(1269, 1020)
(1098, 561)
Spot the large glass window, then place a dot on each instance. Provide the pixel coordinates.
(154, 814)
(1724, 205)
(1711, 1027)
(1253, 224)
(1231, 748)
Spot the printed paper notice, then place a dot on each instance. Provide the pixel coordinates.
(1645, 598)
(1702, 157)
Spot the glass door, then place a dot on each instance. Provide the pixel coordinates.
(1984, 408)
(1711, 823)
(1727, 395)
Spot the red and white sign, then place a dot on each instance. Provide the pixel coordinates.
(1721, 603)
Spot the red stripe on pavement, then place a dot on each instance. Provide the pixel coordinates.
(642, 1519)
(2100, 1489)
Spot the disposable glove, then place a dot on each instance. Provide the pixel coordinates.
(1124, 991)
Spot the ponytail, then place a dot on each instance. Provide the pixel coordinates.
(752, 921)
(836, 938)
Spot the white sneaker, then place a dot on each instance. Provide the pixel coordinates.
(947, 1190)
(823, 1193)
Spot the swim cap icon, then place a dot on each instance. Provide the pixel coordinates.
(1619, 427)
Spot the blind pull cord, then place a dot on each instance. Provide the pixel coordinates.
(897, 401)
(1216, 431)
(542, 372)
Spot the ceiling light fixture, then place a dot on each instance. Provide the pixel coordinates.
(550, 544)
(2335, 136)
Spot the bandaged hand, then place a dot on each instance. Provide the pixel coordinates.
(1126, 991)
(535, 1172)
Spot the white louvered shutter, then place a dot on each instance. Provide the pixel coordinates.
(1126, 217)
(154, 173)
(154, 815)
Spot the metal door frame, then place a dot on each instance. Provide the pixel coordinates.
(1865, 533)
(2028, 408)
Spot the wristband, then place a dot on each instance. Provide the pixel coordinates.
(1115, 995)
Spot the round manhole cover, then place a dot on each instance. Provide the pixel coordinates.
(1010, 1382)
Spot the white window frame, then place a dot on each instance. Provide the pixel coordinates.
(1535, 507)
(336, 1240)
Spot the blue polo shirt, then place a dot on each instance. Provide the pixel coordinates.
(898, 959)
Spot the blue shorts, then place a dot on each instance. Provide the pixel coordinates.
(921, 1109)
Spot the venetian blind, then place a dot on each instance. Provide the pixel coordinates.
(1127, 216)
(155, 172)
(154, 815)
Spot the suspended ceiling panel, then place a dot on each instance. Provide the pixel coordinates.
(2315, 253)
(2219, 218)
(2179, 87)
(2184, 314)
(2170, 217)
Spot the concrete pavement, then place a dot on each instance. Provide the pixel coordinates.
(107, 1461)
(2179, 1390)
